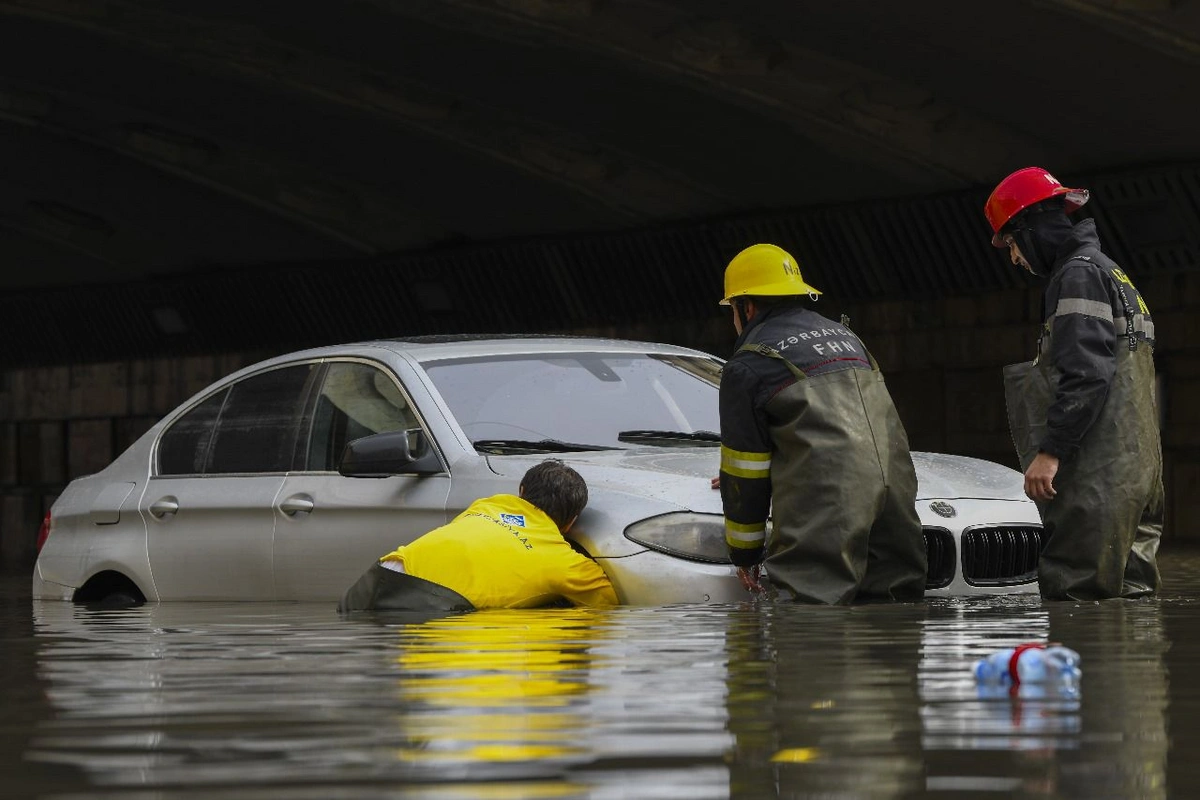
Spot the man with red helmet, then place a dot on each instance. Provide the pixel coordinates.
(1082, 414)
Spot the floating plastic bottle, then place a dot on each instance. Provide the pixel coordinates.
(1031, 663)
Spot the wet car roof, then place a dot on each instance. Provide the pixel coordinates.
(427, 348)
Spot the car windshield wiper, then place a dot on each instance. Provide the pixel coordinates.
(521, 446)
(705, 438)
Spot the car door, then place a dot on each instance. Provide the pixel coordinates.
(330, 528)
(209, 509)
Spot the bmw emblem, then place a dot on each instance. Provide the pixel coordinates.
(942, 509)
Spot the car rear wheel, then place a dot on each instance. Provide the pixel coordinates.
(109, 590)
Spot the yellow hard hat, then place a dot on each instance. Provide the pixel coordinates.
(766, 271)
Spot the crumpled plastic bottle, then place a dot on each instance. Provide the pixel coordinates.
(1029, 663)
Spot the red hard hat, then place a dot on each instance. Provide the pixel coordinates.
(1022, 189)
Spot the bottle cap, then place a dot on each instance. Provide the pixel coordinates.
(1017, 651)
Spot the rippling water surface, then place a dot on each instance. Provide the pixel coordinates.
(289, 700)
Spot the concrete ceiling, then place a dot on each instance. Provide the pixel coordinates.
(145, 139)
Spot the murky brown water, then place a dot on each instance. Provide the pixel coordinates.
(270, 701)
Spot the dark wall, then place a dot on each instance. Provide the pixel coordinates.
(85, 370)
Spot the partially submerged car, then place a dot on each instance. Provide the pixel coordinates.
(288, 478)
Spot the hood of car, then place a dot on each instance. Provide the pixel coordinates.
(676, 478)
(670, 478)
(944, 476)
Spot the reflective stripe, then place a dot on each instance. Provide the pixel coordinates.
(1088, 308)
(756, 474)
(746, 536)
(745, 464)
(394, 566)
(1140, 325)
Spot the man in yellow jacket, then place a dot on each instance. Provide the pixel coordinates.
(504, 551)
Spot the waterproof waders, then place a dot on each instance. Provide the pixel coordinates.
(382, 589)
(1102, 529)
(845, 525)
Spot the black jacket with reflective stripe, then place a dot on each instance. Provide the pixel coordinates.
(814, 344)
(1090, 308)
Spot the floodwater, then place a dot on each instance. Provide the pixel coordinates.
(256, 700)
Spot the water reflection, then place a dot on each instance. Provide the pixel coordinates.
(492, 693)
(958, 713)
(1124, 720)
(495, 686)
(1107, 738)
(558, 692)
(755, 701)
(555, 701)
(824, 702)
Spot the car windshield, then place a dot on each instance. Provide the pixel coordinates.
(585, 399)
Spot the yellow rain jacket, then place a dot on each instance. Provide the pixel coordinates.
(504, 552)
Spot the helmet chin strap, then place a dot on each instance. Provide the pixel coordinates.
(739, 309)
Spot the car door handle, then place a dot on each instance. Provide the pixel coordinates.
(297, 504)
(163, 508)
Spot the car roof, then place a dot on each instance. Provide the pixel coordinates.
(442, 346)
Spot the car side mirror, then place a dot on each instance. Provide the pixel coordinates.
(382, 455)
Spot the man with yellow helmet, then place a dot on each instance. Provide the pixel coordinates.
(810, 438)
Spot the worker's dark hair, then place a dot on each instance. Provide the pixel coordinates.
(777, 301)
(556, 489)
(764, 303)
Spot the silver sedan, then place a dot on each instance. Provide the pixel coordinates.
(288, 478)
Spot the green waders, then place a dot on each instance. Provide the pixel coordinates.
(381, 589)
(1103, 526)
(844, 519)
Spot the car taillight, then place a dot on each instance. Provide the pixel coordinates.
(43, 532)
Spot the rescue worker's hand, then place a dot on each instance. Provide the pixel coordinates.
(716, 482)
(750, 578)
(1039, 478)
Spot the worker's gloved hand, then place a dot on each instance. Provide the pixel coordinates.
(751, 578)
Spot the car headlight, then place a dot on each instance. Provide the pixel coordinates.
(700, 537)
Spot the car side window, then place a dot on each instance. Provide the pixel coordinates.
(250, 427)
(257, 429)
(356, 400)
(183, 448)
